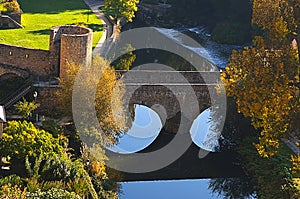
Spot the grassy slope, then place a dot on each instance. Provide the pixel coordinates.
(40, 15)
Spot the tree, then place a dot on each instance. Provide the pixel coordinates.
(271, 176)
(108, 99)
(120, 8)
(11, 6)
(25, 108)
(259, 77)
(232, 188)
(21, 139)
(126, 60)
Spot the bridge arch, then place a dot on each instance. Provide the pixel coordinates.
(10, 70)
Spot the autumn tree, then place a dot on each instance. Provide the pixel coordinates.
(259, 77)
(108, 98)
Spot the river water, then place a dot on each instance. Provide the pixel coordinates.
(214, 52)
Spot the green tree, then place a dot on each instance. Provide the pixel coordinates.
(120, 8)
(272, 176)
(126, 60)
(25, 108)
(21, 139)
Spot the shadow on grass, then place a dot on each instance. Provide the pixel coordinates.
(95, 27)
(40, 32)
(51, 6)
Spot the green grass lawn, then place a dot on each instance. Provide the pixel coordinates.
(40, 15)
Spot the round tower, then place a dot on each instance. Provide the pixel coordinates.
(70, 44)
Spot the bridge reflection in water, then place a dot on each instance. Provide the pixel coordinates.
(150, 136)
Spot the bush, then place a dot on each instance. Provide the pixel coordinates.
(21, 139)
(12, 192)
(231, 33)
(53, 194)
(11, 6)
(25, 108)
(61, 169)
(12, 180)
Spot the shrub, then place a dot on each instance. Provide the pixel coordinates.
(59, 168)
(12, 180)
(25, 108)
(11, 6)
(53, 194)
(21, 139)
(12, 192)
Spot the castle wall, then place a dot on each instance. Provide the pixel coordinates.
(68, 44)
(34, 60)
(47, 100)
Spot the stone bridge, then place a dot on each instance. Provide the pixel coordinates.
(172, 90)
(175, 96)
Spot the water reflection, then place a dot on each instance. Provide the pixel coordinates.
(203, 132)
(145, 129)
(174, 189)
(147, 125)
(217, 188)
(233, 188)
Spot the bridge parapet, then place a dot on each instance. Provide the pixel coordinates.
(171, 77)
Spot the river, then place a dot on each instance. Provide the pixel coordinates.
(147, 122)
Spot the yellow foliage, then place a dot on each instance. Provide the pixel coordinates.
(108, 99)
(258, 78)
(295, 160)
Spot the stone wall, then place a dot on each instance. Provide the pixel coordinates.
(68, 44)
(16, 16)
(155, 77)
(169, 96)
(47, 100)
(7, 22)
(6, 69)
(33, 60)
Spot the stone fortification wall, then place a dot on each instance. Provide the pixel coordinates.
(47, 100)
(68, 44)
(33, 60)
(6, 69)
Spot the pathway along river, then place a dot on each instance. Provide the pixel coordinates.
(147, 122)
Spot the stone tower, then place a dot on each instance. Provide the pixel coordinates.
(69, 44)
